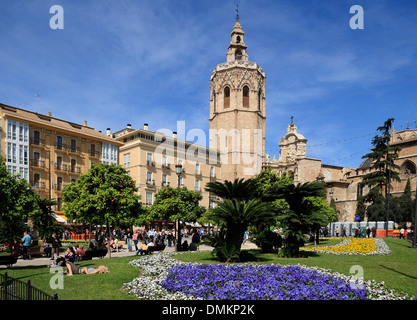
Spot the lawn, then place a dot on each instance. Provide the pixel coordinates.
(397, 270)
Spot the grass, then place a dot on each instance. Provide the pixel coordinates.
(396, 270)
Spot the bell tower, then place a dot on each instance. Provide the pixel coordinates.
(237, 111)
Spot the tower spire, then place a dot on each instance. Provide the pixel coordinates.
(237, 12)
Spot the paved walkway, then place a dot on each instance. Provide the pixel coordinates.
(43, 261)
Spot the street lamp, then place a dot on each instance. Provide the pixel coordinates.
(178, 169)
(415, 220)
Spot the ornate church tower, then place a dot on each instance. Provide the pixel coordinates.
(237, 111)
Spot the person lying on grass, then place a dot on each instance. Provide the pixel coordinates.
(73, 269)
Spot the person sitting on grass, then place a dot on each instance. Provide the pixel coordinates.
(73, 269)
(142, 249)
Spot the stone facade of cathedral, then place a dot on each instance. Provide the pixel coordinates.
(342, 182)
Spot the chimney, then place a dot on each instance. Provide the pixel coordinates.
(49, 114)
(145, 127)
(174, 135)
(85, 123)
(129, 126)
(108, 132)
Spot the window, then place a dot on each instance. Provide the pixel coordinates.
(58, 143)
(197, 168)
(36, 157)
(58, 163)
(148, 177)
(149, 159)
(58, 186)
(93, 150)
(238, 55)
(126, 160)
(212, 173)
(73, 145)
(197, 185)
(259, 99)
(36, 179)
(73, 165)
(246, 96)
(226, 103)
(36, 137)
(148, 198)
(164, 162)
(408, 168)
(164, 182)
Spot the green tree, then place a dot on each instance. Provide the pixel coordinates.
(239, 189)
(302, 214)
(404, 206)
(383, 168)
(176, 204)
(45, 221)
(237, 215)
(17, 202)
(105, 195)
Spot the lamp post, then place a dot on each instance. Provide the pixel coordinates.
(388, 195)
(178, 170)
(415, 220)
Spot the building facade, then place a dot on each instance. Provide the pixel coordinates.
(342, 183)
(155, 160)
(50, 153)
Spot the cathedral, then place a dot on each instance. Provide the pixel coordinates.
(237, 130)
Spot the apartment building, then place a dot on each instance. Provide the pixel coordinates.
(49, 152)
(155, 160)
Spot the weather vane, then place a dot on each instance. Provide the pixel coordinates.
(237, 11)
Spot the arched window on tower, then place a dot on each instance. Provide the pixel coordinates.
(246, 96)
(214, 101)
(226, 103)
(238, 55)
(259, 99)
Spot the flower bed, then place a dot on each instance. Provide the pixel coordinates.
(355, 246)
(170, 279)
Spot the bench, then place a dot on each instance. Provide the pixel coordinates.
(152, 249)
(35, 251)
(8, 260)
(96, 253)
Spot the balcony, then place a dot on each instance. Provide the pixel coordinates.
(60, 167)
(37, 163)
(166, 166)
(74, 169)
(60, 146)
(38, 185)
(150, 163)
(150, 182)
(94, 154)
(74, 149)
(37, 142)
(58, 187)
(164, 184)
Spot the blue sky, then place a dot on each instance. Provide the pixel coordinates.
(120, 62)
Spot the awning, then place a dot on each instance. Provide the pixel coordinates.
(61, 218)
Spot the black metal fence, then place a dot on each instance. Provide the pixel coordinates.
(13, 289)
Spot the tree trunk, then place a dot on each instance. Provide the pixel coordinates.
(234, 235)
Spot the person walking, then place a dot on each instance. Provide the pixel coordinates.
(26, 242)
(128, 235)
(56, 244)
(135, 239)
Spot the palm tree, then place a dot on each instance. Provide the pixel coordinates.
(238, 189)
(301, 216)
(238, 215)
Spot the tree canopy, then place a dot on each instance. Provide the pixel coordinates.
(104, 195)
